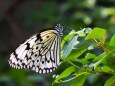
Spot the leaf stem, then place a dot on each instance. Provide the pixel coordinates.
(101, 46)
(72, 64)
(68, 79)
(76, 75)
(69, 62)
(93, 71)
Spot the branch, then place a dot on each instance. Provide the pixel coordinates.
(93, 71)
(101, 46)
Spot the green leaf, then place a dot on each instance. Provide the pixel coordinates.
(110, 81)
(65, 73)
(81, 33)
(79, 81)
(88, 30)
(67, 49)
(76, 53)
(110, 62)
(105, 59)
(110, 59)
(96, 33)
(67, 37)
(90, 56)
(99, 57)
(106, 69)
(112, 41)
(87, 57)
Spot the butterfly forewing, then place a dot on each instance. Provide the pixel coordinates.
(41, 52)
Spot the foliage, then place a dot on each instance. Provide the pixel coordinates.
(103, 63)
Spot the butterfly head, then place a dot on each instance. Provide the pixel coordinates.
(59, 28)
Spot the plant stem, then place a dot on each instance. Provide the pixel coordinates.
(99, 72)
(69, 62)
(76, 75)
(72, 64)
(101, 46)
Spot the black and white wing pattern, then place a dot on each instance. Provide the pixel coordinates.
(41, 52)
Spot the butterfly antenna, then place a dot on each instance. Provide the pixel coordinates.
(58, 21)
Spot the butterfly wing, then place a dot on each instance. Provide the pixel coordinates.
(40, 52)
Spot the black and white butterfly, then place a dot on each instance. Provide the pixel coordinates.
(41, 52)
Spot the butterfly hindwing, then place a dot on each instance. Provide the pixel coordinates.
(22, 52)
(40, 52)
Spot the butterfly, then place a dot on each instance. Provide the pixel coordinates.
(40, 53)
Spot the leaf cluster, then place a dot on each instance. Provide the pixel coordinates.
(83, 62)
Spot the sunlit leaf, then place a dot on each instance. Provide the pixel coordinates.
(112, 41)
(65, 73)
(106, 69)
(96, 33)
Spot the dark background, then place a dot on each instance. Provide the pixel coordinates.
(19, 19)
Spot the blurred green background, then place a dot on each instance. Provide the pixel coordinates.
(19, 19)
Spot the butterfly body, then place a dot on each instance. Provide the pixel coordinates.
(41, 52)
